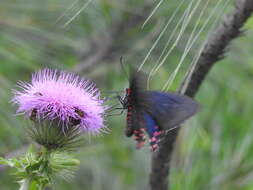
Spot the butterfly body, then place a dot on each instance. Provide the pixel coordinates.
(134, 120)
(153, 112)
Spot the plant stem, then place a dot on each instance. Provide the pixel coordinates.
(25, 184)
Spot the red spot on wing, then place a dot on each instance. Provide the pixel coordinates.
(155, 139)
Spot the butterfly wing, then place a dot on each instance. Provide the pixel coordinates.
(140, 122)
(168, 109)
(153, 130)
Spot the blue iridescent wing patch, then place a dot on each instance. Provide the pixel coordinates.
(153, 131)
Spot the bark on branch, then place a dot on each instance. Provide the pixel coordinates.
(213, 51)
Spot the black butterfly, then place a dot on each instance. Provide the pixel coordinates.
(153, 112)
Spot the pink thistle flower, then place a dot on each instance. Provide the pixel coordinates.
(66, 97)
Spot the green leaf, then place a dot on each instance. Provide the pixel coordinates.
(9, 162)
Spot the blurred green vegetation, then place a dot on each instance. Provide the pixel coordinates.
(214, 149)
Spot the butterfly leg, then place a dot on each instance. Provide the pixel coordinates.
(117, 114)
(113, 107)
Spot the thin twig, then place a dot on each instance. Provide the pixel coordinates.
(213, 51)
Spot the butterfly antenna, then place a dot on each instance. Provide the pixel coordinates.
(123, 67)
(113, 92)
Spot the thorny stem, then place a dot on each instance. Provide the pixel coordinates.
(44, 154)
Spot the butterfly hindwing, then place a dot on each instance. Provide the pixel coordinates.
(153, 130)
(169, 109)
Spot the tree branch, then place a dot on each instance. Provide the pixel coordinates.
(213, 51)
(218, 42)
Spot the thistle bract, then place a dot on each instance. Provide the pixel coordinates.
(63, 98)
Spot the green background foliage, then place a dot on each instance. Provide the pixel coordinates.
(214, 149)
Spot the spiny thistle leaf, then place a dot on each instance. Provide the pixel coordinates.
(43, 166)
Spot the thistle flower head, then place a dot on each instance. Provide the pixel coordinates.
(63, 97)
